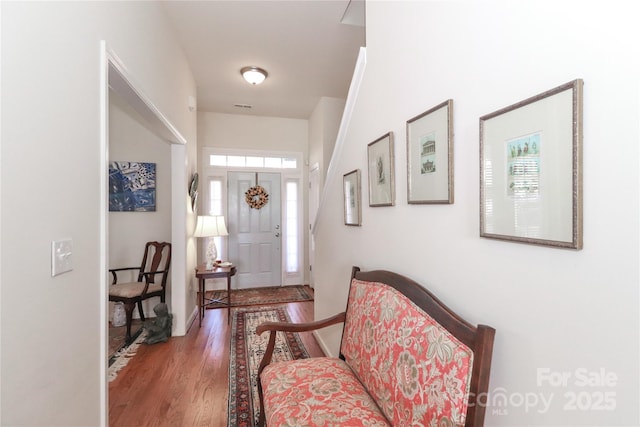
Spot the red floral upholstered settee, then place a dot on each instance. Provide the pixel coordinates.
(405, 360)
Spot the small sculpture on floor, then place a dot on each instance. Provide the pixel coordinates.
(159, 329)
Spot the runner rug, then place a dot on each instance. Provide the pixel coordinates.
(247, 349)
(260, 296)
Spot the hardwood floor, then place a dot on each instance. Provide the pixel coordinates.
(185, 381)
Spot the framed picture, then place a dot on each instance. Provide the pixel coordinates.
(352, 198)
(430, 155)
(381, 174)
(193, 191)
(531, 170)
(132, 187)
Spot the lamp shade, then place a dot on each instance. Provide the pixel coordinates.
(210, 226)
(254, 75)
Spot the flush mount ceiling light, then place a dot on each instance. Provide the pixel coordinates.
(253, 75)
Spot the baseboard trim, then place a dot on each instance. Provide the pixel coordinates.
(323, 345)
(192, 318)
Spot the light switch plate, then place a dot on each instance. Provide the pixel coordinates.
(61, 256)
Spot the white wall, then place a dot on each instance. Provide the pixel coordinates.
(323, 128)
(130, 139)
(50, 348)
(246, 132)
(554, 309)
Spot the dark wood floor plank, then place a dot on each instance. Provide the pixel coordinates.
(185, 381)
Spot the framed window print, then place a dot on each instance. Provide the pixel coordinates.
(381, 171)
(352, 198)
(531, 170)
(430, 156)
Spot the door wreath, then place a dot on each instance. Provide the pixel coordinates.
(256, 197)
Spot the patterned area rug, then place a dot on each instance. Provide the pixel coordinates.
(117, 336)
(259, 296)
(120, 359)
(246, 353)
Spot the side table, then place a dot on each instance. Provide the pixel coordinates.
(217, 272)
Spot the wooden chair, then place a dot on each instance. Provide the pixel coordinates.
(156, 261)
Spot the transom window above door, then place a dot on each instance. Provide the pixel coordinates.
(253, 161)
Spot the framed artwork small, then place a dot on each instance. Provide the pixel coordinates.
(531, 170)
(430, 155)
(132, 187)
(381, 171)
(193, 191)
(352, 198)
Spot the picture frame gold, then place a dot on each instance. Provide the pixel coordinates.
(531, 169)
(352, 198)
(430, 156)
(381, 159)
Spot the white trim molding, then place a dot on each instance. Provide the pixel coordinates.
(352, 96)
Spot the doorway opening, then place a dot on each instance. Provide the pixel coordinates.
(114, 77)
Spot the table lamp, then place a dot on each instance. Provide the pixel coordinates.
(211, 226)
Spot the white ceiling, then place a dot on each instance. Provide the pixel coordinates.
(302, 44)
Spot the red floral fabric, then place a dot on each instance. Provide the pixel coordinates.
(417, 372)
(317, 392)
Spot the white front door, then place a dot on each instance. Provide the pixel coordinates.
(254, 234)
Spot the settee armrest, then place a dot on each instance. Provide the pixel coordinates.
(300, 327)
(274, 328)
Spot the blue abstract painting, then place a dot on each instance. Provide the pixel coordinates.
(132, 187)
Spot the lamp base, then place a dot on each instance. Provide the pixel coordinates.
(212, 254)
